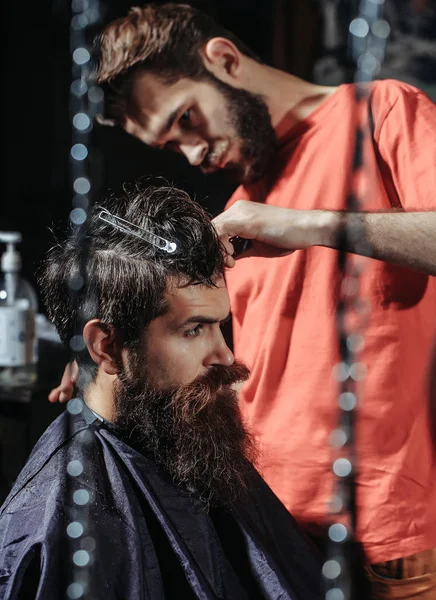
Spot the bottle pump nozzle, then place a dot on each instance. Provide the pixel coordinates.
(11, 259)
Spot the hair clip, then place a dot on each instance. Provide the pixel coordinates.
(143, 234)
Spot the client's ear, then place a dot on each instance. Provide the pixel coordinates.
(103, 345)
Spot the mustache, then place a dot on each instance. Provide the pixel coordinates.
(218, 376)
(193, 398)
(215, 154)
(209, 161)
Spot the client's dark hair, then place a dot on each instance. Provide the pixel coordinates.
(104, 273)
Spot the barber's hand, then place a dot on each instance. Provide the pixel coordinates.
(278, 230)
(65, 390)
(254, 221)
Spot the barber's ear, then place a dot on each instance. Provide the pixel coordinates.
(222, 58)
(103, 345)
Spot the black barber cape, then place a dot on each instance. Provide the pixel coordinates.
(153, 541)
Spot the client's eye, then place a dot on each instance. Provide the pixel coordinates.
(194, 332)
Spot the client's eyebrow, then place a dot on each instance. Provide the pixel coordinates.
(205, 320)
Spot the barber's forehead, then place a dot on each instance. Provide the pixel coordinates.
(153, 100)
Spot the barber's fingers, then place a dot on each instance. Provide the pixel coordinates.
(240, 220)
(61, 394)
(65, 390)
(229, 251)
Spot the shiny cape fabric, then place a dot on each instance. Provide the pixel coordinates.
(152, 540)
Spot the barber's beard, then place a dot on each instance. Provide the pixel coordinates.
(250, 118)
(195, 433)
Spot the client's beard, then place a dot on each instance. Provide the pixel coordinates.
(195, 433)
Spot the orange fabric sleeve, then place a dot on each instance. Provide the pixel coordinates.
(405, 137)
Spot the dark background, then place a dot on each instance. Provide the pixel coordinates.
(305, 37)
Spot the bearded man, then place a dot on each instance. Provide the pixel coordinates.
(147, 480)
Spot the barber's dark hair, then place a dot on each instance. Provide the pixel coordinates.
(165, 39)
(104, 273)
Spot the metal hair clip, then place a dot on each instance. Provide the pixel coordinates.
(143, 234)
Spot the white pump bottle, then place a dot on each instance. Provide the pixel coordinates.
(18, 307)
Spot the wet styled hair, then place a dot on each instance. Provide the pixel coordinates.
(100, 272)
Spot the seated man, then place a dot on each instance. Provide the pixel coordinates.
(144, 488)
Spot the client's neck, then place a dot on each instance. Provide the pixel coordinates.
(99, 396)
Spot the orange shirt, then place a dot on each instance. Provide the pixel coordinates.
(285, 329)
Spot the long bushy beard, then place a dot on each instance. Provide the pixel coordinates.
(194, 433)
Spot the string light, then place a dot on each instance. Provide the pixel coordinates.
(85, 102)
(368, 37)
